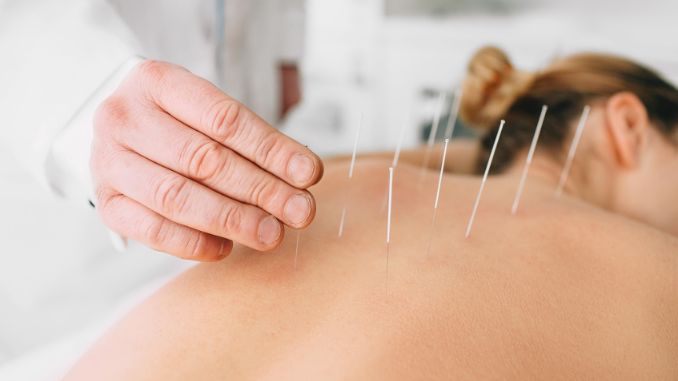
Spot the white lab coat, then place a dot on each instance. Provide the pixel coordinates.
(58, 60)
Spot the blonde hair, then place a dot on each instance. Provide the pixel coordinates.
(495, 90)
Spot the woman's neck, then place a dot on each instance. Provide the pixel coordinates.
(546, 171)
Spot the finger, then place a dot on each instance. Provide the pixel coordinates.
(199, 104)
(131, 219)
(188, 203)
(170, 143)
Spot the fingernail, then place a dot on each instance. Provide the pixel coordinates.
(300, 168)
(224, 249)
(221, 249)
(297, 209)
(269, 230)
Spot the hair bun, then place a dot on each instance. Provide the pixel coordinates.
(491, 86)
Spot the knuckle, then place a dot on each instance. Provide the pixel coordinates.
(203, 161)
(152, 70)
(223, 119)
(111, 113)
(264, 191)
(232, 220)
(268, 149)
(103, 197)
(228, 168)
(197, 245)
(171, 194)
(106, 208)
(153, 232)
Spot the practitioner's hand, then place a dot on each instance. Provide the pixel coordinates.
(185, 169)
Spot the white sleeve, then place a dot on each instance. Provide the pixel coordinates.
(59, 59)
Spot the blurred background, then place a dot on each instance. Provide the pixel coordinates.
(390, 58)
(61, 281)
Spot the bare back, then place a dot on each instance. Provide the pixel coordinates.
(560, 291)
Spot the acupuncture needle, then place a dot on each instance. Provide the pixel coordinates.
(528, 161)
(484, 180)
(399, 146)
(432, 134)
(396, 157)
(573, 149)
(454, 113)
(350, 173)
(435, 204)
(388, 221)
(296, 250)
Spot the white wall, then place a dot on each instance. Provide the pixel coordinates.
(359, 60)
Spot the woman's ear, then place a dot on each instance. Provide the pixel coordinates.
(627, 124)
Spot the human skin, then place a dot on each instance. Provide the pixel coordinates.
(563, 290)
(185, 169)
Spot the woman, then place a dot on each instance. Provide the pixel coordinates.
(583, 286)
